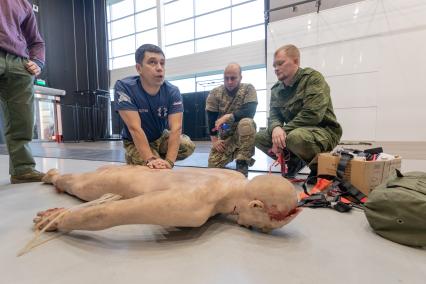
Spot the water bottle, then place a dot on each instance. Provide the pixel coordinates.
(225, 127)
(223, 130)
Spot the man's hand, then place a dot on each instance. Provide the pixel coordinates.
(159, 164)
(32, 68)
(222, 120)
(278, 138)
(276, 150)
(219, 145)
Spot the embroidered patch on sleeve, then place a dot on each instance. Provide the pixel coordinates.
(122, 97)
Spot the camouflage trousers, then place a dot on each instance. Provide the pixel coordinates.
(239, 145)
(159, 149)
(304, 142)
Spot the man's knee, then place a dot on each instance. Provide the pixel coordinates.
(186, 148)
(133, 158)
(246, 132)
(131, 154)
(295, 138)
(246, 127)
(302, 144)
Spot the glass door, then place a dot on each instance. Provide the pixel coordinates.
(45, 117)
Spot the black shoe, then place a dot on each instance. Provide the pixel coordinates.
(312, 180)
(294, 168)
(242, 167)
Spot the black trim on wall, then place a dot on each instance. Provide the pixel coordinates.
(266, 15)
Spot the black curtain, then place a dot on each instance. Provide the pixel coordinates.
(75, 33)
(194, 116)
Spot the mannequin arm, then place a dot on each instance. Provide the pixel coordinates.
(157, 208)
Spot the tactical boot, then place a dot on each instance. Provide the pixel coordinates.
(312, 178)
(242, 167)
(33, 176)
(293, 168)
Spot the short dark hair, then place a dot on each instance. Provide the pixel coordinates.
(140, 52)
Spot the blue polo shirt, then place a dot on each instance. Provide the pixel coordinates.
(153, 110)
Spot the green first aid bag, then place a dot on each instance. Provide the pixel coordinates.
(396, 209)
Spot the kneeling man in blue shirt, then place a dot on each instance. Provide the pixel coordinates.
(152, 111)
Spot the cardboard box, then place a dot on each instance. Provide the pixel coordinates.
(364, 175)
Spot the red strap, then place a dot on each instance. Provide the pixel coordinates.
(281, 161)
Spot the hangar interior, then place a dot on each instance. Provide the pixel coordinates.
(370, 53)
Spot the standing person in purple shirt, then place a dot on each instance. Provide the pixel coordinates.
(152, 111)
(21, 58)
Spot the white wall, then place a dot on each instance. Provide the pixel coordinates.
(372, 54)
(248, 54)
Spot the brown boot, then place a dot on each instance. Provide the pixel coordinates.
(33, 176)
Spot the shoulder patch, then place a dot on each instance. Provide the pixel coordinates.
(123, 97)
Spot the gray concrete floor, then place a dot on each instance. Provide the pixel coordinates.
(319, 246)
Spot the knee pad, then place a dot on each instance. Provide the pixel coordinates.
(246, 127)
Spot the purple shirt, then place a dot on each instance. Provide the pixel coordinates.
(18, 31)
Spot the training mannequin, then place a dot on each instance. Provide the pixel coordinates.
(180, 198)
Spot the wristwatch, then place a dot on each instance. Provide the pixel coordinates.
(170, 162)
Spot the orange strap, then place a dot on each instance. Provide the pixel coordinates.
(321, 185)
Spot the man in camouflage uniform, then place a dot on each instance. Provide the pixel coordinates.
(152, 110)
(230, 109)
(301, 119)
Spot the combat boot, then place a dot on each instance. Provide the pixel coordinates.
(33, 176)
(293, 168)
(242, 167)
(312, 177)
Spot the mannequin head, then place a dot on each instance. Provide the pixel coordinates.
(270, 204)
